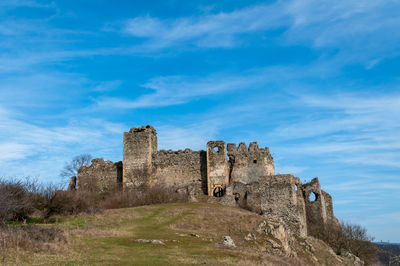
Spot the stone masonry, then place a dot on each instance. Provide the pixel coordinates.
(229, 174)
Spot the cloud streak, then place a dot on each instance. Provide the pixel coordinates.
(361, 32)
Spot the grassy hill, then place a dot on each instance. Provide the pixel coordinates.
(170, 234)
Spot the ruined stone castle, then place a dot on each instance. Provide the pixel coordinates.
(234, 175)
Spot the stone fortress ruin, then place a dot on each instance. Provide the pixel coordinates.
(229, 174)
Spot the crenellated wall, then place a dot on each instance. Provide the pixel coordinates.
(247, 165)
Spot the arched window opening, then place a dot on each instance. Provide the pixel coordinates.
(313, 197)
(218, 192)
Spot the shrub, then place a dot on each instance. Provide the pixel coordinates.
(15, 201)
(52, 201)
(20, 199)
(348, 237)
(359, 243)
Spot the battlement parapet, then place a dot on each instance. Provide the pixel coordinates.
(247, 164)
(147, 128)
(242, 149)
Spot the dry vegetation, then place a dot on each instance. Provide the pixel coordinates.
(348, 238)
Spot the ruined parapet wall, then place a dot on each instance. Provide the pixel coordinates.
(181, 169)
(217, 166)
(316, 209)
(248, 164)
(139, 146)
(282, 201)
(331, 219)
(101, 176)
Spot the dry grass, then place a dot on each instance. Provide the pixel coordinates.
(110, 238)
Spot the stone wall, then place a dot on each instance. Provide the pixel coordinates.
(217, 166)
(181, 169)
(278, 197)
(139, 146)
(281, 201)
(248, 164)
(315, 209)
(102, 176)
(331, 219)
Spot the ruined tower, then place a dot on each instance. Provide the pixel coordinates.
(217, 168)
(139, 146)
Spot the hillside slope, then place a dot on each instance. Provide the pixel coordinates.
(173, 234)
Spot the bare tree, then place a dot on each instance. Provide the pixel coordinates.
(71, 168)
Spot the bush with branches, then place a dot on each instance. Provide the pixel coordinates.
(348, 237)
(15, 200)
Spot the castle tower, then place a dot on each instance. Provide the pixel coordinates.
(139, 146)
(217, 168)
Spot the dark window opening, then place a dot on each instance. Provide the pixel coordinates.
(255, 161)
(218, 192)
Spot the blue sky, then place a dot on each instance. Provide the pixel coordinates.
(316, 81)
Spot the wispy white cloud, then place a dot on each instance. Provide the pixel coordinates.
(360, 31)
(350, 129)
(217, 30)
(288, 169)
(173, 90)
(191, 135)
(14, 151)
(30, 149)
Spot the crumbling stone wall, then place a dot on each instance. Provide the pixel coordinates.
(315, 209)
(181, 169)
(280, 201)
(102, 176)
(247, 196)
(139, 146)
(277, 197)
(217, 166)
(331, 219)
(247, 165)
